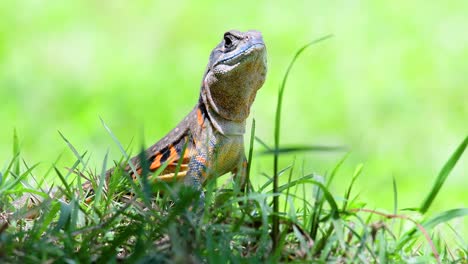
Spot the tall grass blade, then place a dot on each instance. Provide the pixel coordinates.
(431, 223)
(68, 192)
(270, 180)
(73, 149)
(289, 150)
(265, 145)
(249, 158)
(356, 174)
(102, 179)
(289, 181)
(449, 165)
(16, 153)
(11, 184)
(395, 199)
(444, 217)
(326, 193)
(317, 209)
(144, 176)
(335, 169)
(395, 196)
(275, 224)
(65, 214)
(121, 148)
(8, 170)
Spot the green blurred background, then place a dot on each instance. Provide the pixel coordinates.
(391, 84)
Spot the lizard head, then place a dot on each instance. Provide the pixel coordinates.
(236, 70)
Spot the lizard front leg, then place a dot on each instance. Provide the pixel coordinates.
(199, 166)
(195, 177)
(197, 171)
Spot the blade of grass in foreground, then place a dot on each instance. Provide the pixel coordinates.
(443, 174)
(11, 184)
(289, 150)
(431, 223)
(356, 174)
(16, 152)
(335, 169)
(102, 179)
(275, 225)
(444, 217)
(73, 149)
(122, 150)
(249, 158)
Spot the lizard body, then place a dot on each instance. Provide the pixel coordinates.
(210, 137)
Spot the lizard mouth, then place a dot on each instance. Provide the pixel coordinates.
(242, 55)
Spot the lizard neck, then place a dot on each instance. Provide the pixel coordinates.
(222, 125)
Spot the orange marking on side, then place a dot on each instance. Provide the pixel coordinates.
(156, 163)
(200, 117)
(173, 153)
(201, 159)
(186, 155)
(172, 161)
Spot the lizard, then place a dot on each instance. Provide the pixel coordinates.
(209, 141)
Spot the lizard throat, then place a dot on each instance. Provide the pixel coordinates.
(222, 125)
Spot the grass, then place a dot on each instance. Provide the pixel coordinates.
(390, 84)
(41, 221)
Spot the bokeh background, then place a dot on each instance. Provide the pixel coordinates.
(391, 84)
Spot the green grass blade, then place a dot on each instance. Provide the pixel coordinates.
(121, 148)
(102, 179)
(16, 153)
(326, 193)
(8, 170)
(144, 176)
(289, 181)
(444, 217)
(249, 157)
(11, 184)
(317, 209)
(73, 149)
(265, 145)
(48, 218)
(335, 169)
(449, 165)
(313, 148)
(395, 196)
(65, 215)
(68, 192)
(395, 199)
(270, 179)
(431, 223)
(356, 174)
(275, 225)
(382, 246)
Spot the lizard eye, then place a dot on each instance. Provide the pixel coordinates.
(228, 43)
